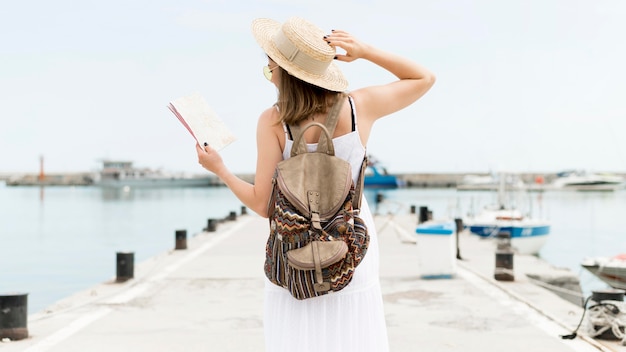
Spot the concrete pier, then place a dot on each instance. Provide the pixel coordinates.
(210, 298)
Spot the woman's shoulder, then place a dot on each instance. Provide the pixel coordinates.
(270, 116)
(269, 125)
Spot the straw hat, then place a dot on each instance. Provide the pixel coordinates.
(298, 47)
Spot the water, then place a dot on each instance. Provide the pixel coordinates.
(56, 241)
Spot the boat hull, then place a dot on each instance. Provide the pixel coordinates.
(377, 177)
(592, 187)
(525, 239)
(516, 231)
(611, 271)
(156, 183)
(381, 182)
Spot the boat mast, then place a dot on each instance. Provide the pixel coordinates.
(501, 190)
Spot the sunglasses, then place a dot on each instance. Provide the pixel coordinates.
(267, 71)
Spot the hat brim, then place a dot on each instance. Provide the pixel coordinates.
(264, 30)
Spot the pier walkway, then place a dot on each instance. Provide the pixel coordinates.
(209, 297)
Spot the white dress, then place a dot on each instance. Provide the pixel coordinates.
(348, 320)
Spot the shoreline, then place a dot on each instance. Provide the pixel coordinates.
(408, 180)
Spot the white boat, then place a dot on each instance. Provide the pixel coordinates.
(611, 270)
(121, 174)
(528, 235)
(579, 180)
(490, 182)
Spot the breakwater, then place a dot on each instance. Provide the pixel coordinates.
(412, 180)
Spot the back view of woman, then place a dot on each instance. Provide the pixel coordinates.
(301, 64)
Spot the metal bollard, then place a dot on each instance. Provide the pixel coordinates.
(459, 228)
(503, 241)
(379, 199)
(181, 239)
(504, 258)
(232, 216)
(610, 326)
(412, 209)
(125, 266)
(211, 225)
(423, 215)
(13, 316)
(244, 210)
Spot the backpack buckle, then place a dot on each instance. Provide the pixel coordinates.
(314, 201)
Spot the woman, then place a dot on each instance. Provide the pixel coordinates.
(300, 65)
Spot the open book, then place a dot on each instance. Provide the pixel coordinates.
(201, 121)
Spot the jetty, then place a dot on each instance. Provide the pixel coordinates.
(208, 296)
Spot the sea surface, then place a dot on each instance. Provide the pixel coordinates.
(56, 241)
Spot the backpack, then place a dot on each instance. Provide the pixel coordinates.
(317, 238)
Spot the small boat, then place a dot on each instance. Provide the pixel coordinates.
(611, 270)
(579, 180)
(376, 176)
(490, 182)
(121, 174)
(528, 235)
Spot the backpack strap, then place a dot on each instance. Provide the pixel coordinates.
(358, 187)
(332, 119)
(331, 124)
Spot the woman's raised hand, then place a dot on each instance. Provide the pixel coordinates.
(354, 48)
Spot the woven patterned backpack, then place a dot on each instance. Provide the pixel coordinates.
(317, 238)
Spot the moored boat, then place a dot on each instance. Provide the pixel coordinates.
(579, 180)
(490, 182)
(120, 174)
(376, 176)
(611, 270)
(528, 234)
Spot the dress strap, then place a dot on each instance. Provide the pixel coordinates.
(287, 131)
(353, 109)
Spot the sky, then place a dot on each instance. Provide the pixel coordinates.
(526, 86)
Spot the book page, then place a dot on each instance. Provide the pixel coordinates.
(201, 121)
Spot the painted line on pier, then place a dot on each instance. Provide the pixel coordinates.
(525, 309)
(146, 284)
(69, 330)
(131, 293)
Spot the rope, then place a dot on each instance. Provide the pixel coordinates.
(607, 315)
(604, 316)
(575, 332)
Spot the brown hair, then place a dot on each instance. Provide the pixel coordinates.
(298, 100)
